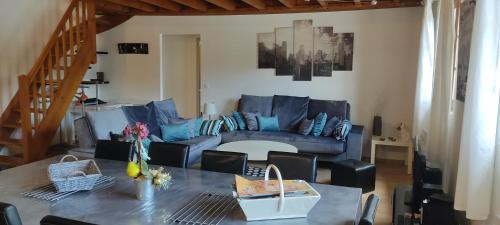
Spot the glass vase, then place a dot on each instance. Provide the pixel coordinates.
(145, 190)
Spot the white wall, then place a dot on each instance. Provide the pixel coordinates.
(382, 81)
(26, 26)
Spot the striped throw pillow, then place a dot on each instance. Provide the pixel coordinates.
(229, 123)
(211, 127)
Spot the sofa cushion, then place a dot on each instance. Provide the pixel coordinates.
(198, 144)
(290, 110)
(306, 127)
(251, 120)
(330, 107)
(164, 110)
(143, 114)
(256, 104)
(309, 144)
(268, 123)
(104, 121)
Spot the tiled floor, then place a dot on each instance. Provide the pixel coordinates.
(389, 174)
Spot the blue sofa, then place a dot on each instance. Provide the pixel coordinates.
(289, 109)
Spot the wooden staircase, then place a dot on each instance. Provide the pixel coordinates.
(46, 92)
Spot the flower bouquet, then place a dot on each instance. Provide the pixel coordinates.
(138, 168)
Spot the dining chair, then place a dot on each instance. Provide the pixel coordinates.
(169, 154)
(9, 215)
(300, 166)
(55, 220)
(368, 217)
(114, 150)
(224, 162)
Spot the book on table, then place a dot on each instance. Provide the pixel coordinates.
(250, 189)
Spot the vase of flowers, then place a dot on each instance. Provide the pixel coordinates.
(147, 179)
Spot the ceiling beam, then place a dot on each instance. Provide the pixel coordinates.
(225, 4)
(322, 3)
(165, 4)
(111, 8)
(283, 9)
(135, 4)
(288, 3)
(258, 4)
(195, 4)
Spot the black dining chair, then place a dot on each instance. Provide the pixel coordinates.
(224, 162)
(300, 166)
(55, 220)
(169, 154)
(9, 215)
(114, 150)
(368, 217)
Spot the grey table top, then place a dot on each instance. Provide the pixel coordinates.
(117, 204)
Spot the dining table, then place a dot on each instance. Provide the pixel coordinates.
(117, 204)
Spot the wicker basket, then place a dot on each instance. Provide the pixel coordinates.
(74, 176)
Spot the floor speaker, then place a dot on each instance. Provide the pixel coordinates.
(377, 126)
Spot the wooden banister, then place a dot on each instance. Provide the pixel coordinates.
(24, 106)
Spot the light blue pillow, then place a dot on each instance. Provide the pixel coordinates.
(319, 124)
(177, 132)
(268, 123)
(197, 126)
(239, 120)
(211, 127)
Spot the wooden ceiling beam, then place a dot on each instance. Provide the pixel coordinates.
(284, 9)
(258, 4)
(288, 3)
(195, 4)
(104, 7)
(165, 4)
(134, 4)
(322, 3)
(225, 4)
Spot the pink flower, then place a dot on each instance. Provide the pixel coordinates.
(141, 130)
(127, 131)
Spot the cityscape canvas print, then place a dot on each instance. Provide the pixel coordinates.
(266, 51)
(303, 51)
(323, 51)
(343, 51)
(302, 48)
(464, 37)
(284, 51)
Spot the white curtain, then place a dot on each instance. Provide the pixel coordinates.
(478, 182)
(423, 95)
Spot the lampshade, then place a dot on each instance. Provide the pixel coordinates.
(210, 109)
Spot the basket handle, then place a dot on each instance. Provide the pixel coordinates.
(280, 180)
(66, 156)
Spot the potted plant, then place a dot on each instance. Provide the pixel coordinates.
(147, 179)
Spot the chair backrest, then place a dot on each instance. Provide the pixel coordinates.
(55, 220)
(300, 166)
(114, 150)
(169, 154)
(224, 162)
(368, 217)
(9, 215)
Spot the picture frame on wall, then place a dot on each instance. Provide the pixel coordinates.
(284, 51)
(303, 49)
(343, 51)
(266, 50)
(323, 51)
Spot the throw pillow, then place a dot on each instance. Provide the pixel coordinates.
(211, 127)
(251, 119)
(306, 127)
(177, 132)
(197, 126)
(229, 123)
(330, 126)
(342, 130)
(239, 119)
(268, 123)
(191, 122)
(319, 124)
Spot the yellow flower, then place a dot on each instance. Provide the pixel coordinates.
(133, 169)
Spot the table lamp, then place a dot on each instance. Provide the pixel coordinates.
(210, 110)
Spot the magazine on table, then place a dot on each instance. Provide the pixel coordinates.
(247, 189)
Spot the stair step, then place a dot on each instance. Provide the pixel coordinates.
(11, 125)
(11, 160)
(10, 142)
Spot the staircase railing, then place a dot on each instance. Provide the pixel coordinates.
(70, 48)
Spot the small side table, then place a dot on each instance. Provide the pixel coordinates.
(409, 158)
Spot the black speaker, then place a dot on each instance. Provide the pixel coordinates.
(377, 126)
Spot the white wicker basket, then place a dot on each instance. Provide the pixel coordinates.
(78, 175)
(275, 208)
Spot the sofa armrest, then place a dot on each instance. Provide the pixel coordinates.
(355, 142)
(84, 134)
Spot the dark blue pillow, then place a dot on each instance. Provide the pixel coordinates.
(306, 127)
(251, 120)
(319, 124)
(177, 132)
(268, 123)
(239, 119)
(330, 126)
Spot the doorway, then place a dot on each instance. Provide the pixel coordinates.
(180, 72)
